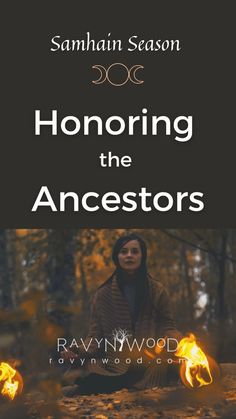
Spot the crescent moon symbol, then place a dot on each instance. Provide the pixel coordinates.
(103, 74)
(133, 77)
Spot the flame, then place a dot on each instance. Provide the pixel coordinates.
(195, 371)
(10, 381)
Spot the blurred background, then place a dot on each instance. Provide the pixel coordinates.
(48, 278)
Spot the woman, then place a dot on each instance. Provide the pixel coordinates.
(132, 303)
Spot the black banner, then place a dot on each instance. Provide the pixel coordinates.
(157, 79)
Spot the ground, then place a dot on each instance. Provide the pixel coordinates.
(157, 403)
(216, 401)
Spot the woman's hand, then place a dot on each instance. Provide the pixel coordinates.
(68, 355)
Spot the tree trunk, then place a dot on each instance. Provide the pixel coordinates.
(187, 279)
(85, 294)
(222, 312)
(6, 294)
(61, 272)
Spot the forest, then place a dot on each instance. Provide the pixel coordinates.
(48, 278)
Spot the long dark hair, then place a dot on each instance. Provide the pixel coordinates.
(141, 280)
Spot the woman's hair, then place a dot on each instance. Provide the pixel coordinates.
(122, 241)
(141, 274)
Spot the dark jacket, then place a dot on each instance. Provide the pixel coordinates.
(110, 311)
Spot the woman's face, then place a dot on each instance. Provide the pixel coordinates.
(130, 256)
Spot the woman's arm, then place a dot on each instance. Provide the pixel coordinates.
(165, 318)
(90, 344)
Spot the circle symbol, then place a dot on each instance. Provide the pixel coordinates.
(112, 66)
(104, 74)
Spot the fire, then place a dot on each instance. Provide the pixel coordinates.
(11, 382)
(198, 369)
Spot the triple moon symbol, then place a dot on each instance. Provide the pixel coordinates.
(104, 74)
